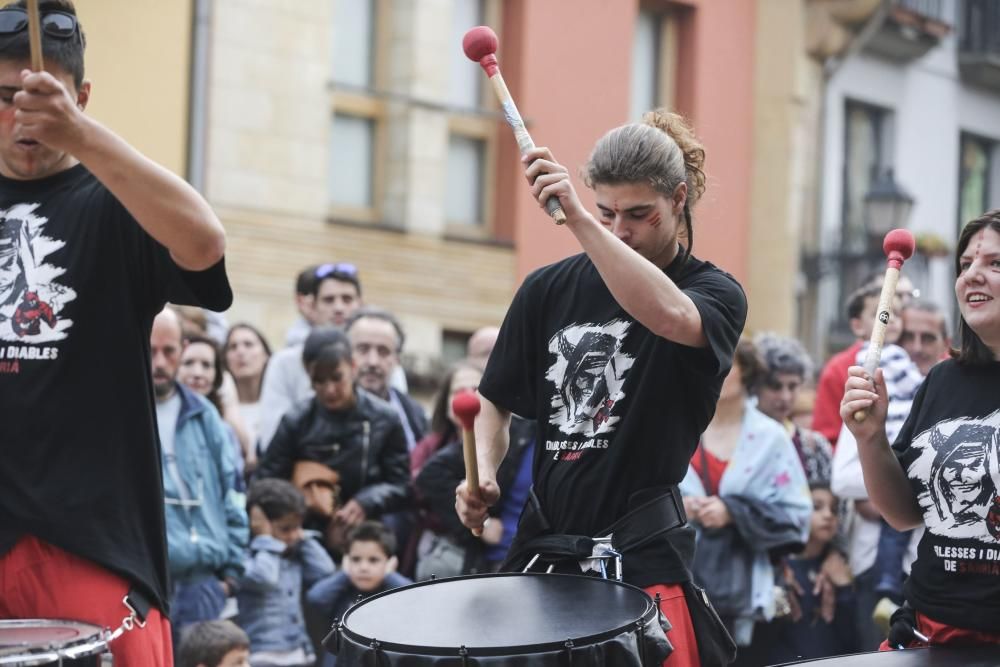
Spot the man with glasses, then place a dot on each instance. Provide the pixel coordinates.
(207, 526)
(335, 293)
(98, 239)
(925, 334)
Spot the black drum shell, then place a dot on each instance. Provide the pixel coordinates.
(631, 635)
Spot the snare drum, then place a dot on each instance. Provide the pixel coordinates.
(26, 642)
(503, 620)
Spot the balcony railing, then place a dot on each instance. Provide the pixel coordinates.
(930, 8)
(911, 29)
(979, 42)
(980, 26)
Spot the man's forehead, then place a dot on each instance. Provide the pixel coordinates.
(10, 72)
(372, 329)
(334, 286)
(914, 319)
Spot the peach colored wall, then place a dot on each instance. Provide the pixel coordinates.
(569, 72)
(570, 80)
(721, 107)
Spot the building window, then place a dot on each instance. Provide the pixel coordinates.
(454, 346)
(654, 62)
(466, 176)
(353, 36)
(975, 171)
(357, 111)
(867, 155)
(465, 82)
(472, 128)
(352, 146)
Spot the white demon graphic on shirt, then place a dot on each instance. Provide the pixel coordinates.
(588, 374)
(960, 461)
(30, 296)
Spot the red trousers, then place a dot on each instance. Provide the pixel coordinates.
(681, 634)
(39, 580)
(947, 635)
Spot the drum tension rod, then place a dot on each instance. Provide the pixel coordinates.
(463, 653)
(569, 652)
(641, 632)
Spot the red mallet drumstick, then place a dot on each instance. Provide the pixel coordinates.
(465, 405)
(35, 36)
(898, 246)
(480, 45)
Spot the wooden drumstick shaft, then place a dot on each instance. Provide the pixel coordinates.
(883, 313)
(524, 141)
(35, 36)
(471, 462)
(480, 45)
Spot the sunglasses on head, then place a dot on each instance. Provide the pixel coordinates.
(59, 25)
(339, 268)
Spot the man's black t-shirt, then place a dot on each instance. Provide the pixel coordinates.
(80, 284)
(950, 449)
(617, 408)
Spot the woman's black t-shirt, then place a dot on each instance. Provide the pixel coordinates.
(617, 408)
(950, 449)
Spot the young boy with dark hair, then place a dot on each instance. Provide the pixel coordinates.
(214, 644)
(817, 627)
(283, 561)
(368, 568)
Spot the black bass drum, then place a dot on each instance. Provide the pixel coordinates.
(504, 620)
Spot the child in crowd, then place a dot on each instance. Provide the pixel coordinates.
(214, 644)
(368, 568)
(283, 560)
(816, 627)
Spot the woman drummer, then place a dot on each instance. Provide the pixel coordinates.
(943, 472)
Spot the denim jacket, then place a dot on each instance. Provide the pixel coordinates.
(270, 592)
(207, 534)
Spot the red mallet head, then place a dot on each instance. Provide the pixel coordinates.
(480, 44)
(898, 246)
(465, 405)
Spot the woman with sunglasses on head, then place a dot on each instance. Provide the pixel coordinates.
(97, 239)
(943, 470)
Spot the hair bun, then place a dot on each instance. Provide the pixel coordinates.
(679, 129)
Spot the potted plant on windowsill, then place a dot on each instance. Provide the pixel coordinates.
(930, 244)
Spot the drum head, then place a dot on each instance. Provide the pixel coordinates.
(39, 641)
(490, 614)
(936, 656)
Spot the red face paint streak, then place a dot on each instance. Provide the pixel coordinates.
(655, 219)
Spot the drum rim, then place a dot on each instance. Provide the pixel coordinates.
(454, 651)
(41, 655)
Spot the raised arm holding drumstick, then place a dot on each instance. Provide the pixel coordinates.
(593, 350)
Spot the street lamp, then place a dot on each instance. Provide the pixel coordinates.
(887, 206)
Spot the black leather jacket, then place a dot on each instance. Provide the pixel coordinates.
(365, 444)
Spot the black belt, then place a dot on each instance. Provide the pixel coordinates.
(649, 520)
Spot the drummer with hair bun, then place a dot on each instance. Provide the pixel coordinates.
(618, 355)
